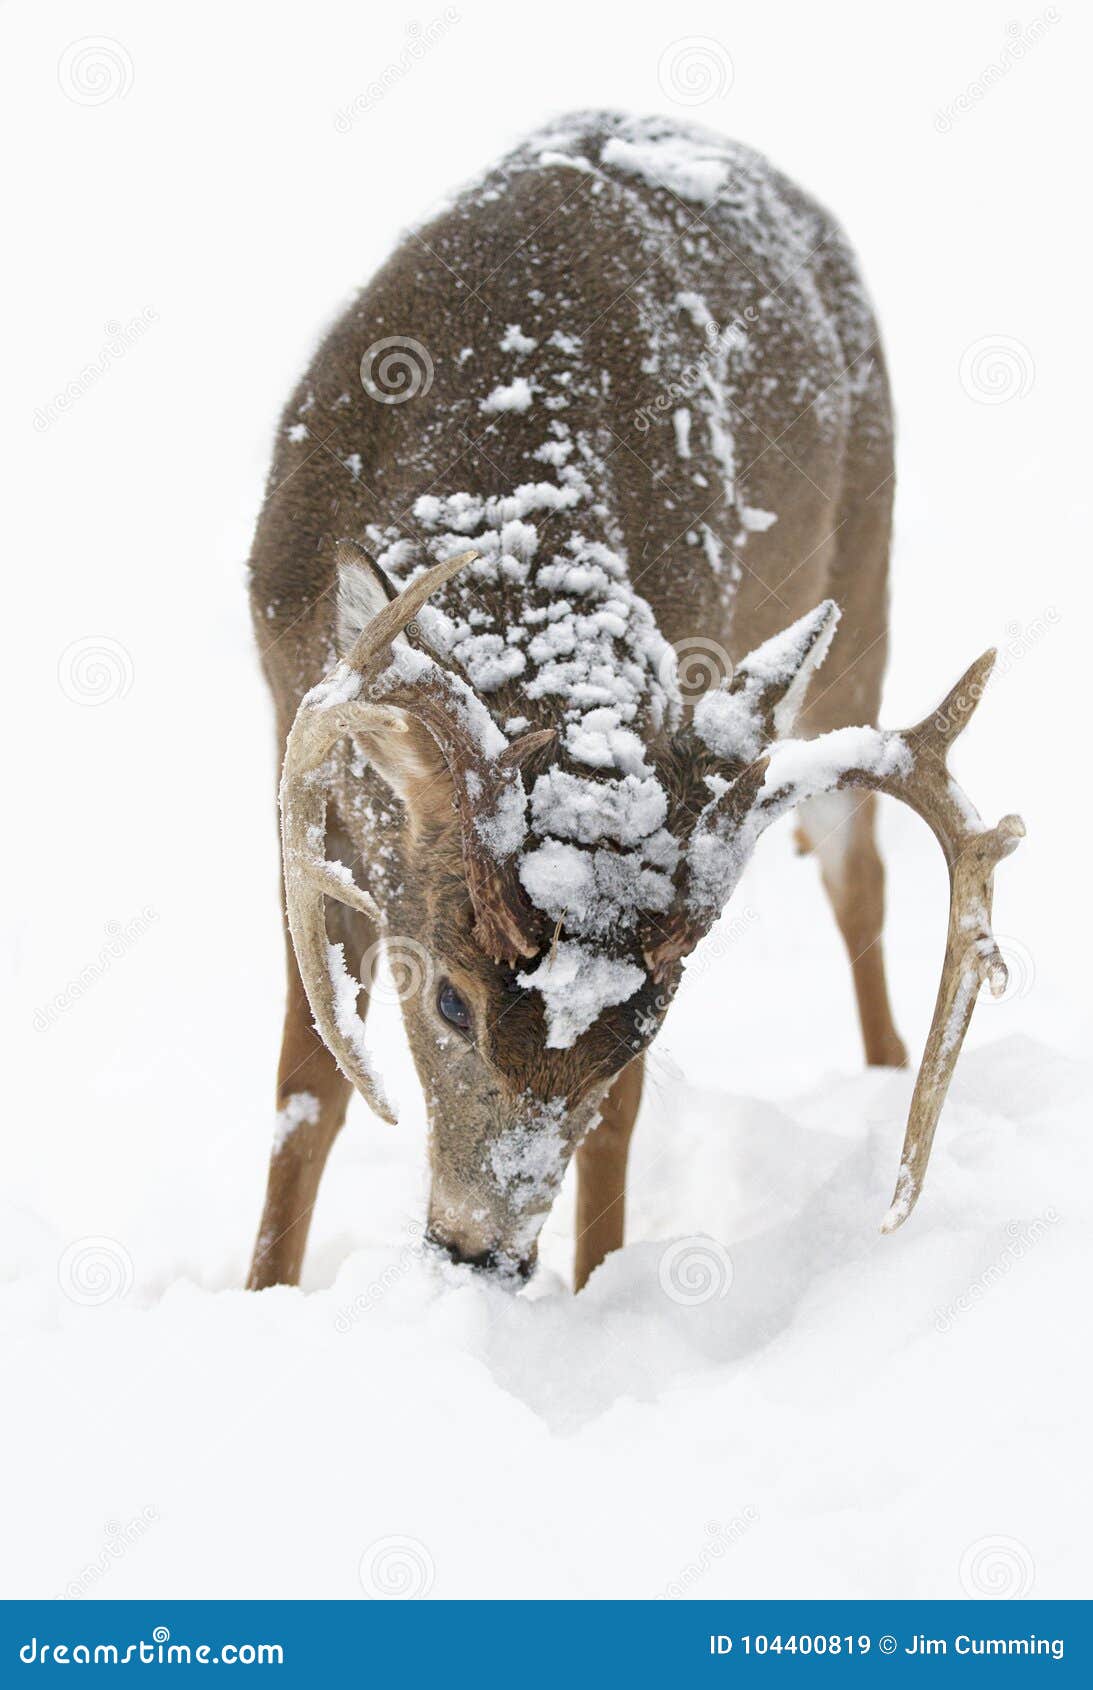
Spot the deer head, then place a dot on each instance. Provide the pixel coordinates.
(513, 1063)
(507, 1106)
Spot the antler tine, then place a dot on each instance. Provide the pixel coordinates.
(910, 766)
(309, 879)
(937, 731)
(392, 619)
(972, 959)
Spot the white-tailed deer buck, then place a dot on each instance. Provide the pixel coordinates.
(618, 415)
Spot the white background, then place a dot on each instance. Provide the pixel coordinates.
(544, 1446)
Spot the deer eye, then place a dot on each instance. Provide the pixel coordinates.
(452, 1007)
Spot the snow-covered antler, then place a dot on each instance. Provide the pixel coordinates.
(371, 691)
(910, 766)
(309, 879)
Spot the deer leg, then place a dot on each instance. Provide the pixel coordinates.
(312, 1096)
(840, 829)
(601, 1174)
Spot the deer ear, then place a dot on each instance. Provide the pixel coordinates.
(363, 590)
(767, 690)
(777, 673)
(413, 766)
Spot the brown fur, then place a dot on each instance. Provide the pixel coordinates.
(458, 284)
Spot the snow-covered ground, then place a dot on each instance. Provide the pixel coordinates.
(760, 1395)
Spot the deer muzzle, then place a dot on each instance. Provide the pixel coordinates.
(491, 1192)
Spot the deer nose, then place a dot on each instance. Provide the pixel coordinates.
(486, 1261)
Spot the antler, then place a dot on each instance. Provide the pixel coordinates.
(910, 766)
(309, 879)
(366, 693)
